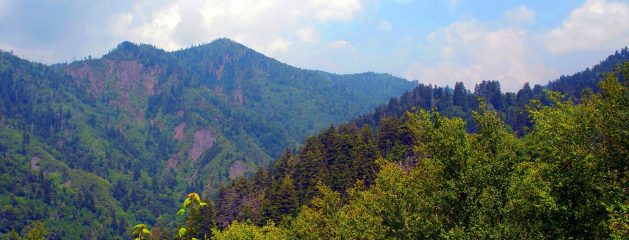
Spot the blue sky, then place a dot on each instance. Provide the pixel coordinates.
(438, 42)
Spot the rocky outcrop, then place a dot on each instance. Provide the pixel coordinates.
(203, 140)
(130, 79)
(172, 162)
(237, 169)
(179, 131)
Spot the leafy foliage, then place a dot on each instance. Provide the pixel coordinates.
(566, 178)
(141, 231)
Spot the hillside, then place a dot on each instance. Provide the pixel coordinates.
(565, 178)
(402, 134)
(119, 139)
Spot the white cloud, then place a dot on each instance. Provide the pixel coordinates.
(520, 15)
(385, 25)
(265, 25)
(160, 26)
(279, 44)
(595, 25)
(325, 10)
(339, 44)
(472, 53)
(447, 52)
(308, 34)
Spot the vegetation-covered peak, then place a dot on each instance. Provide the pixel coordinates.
(131, 51)
(221, 50)
(226, 42)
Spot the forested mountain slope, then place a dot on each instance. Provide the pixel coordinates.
(120, 138)
(339, 156)
(574, 85)
(566, 178)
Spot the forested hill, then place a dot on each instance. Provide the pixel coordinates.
(573, 85)
(109, 141)
(424, 175)
(461, 101)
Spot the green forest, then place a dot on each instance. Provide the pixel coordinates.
(564, 178)
(218, 141)
(92, 147)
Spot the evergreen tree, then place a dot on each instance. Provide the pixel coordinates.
(387, 134)
(364, 157)
(459, 97)
(490, 91)
(310, 170)
(284, 201)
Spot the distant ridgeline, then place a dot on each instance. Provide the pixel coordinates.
(460, 102)
(92, 146)
(339, 156)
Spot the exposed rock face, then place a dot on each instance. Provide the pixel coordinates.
(238, 96)
(237, 169)
(172, 162)
(86, 72)
(133, 80)
(130, 79)
(219, 72)
(150, 83)
(203, 140)
(179, 131)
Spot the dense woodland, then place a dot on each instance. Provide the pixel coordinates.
(89, 153)
(425, 176)
(93, 146)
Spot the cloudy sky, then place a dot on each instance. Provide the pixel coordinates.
(433, 41)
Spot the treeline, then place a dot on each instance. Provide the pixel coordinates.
(461, 102)
(511, 107)
(568, 177)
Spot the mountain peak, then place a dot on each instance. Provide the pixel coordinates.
(126, 44)
(220, 49)
(224, 44)
(225, 41)
(127, 50)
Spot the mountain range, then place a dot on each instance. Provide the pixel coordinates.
(118, 140)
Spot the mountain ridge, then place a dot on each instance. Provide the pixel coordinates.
(150, 125)
(117, 140)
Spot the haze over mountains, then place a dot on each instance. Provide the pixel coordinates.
(118, 140)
